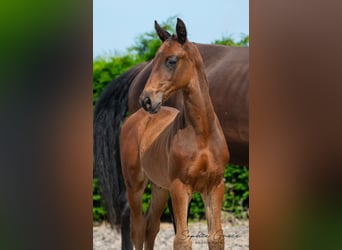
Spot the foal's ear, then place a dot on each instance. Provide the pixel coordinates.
(163, 34)
(181, 31)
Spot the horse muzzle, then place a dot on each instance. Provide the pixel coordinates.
(151, 102)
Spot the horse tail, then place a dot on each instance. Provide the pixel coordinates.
(109, 114)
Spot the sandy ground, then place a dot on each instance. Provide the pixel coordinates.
(236, 236)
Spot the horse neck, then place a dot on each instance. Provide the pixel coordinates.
(198, 109)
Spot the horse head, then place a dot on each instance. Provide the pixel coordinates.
(172, 69)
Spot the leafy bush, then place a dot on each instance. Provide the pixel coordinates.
(147, 44)
(197, 210)
(104, 71)
(228, 41)
(236, 198)
(99, 212)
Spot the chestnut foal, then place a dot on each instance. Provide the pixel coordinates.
(179, 151)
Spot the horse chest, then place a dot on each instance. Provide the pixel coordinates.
(200, 166)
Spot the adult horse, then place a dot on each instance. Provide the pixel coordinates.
(227, 72)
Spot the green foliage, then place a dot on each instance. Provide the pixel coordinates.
(98, 207)
(147, 44)
(236, 199)
(197, 210)
(146, 198)
(104, 71)
(228, 41)
(144, 49)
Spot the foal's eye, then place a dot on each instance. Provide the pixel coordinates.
(171, 62)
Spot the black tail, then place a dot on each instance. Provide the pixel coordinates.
(109, 114)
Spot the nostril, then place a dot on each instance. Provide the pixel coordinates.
(147, 102)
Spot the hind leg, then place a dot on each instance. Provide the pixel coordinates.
(126, 243)
(213, 204)
(154, 212)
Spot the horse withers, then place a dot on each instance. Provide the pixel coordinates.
(180, 151)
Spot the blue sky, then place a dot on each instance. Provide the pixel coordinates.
(116, 24)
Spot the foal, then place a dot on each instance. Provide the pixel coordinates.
(179, 151)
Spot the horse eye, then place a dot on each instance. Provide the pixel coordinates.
(171, 62)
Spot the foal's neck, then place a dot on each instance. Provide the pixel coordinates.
(198, 109)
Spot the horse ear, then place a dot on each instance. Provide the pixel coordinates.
(181, 31)
(163, 34)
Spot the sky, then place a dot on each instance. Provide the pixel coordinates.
(116, 24)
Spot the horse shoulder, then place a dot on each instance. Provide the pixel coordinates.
(218, 146)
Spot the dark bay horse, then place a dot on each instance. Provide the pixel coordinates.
(178, 151)
(227, 72)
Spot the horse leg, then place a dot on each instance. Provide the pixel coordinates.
(126, 243)
(138, 222)
(154, 212)
(181, 196)
(213, 204)
(169, 204)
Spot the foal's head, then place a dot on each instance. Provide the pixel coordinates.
(173, 67)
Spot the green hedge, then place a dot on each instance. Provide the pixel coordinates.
(236, 198)
(99, 211)
(105, 69)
